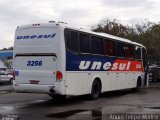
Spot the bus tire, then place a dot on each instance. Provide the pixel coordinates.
(138, 84)
(96, 89)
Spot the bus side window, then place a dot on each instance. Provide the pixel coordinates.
(129, 51)
(84, 43)
(137, 52)
(109, 47)
(67, 38)
(74, 41)
(120, 49)
(96, 45)
(71, 39)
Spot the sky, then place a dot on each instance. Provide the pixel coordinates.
(77, 13)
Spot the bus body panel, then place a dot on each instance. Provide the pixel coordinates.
(36, 40)
(80, 83)
(77, 83)
(32, 63)
(36, 68)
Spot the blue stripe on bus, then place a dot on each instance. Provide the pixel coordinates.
(73, 61)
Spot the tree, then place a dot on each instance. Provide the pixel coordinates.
(147, 33)
(9, 48)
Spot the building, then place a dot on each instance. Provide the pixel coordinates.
(6, 56)
(6, 53)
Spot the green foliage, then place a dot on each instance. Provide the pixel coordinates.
(147, 33)
(9, 48)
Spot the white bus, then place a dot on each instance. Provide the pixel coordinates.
(57, 59)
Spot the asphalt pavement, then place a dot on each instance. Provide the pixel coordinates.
(126, 105)
(5, 87)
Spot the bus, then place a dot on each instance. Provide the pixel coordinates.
(57, 59)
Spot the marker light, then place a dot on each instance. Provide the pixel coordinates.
(34, 25)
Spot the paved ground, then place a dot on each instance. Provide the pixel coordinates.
(120, 105)
(5, 87)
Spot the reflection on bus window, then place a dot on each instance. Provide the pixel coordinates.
(109, 47)
(137, 52)
(129, 51)
(96, 45)
(120, 49)
(84, 43)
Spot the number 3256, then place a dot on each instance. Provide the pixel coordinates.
(34, 63)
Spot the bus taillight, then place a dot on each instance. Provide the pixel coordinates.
(59, 75)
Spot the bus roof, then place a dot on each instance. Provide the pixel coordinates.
(64, 25)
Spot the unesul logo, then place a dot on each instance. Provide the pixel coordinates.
(25, 37)
(118, 65)
(106, 66)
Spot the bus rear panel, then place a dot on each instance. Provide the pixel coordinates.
(35, 59)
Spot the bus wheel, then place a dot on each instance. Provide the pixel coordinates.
(96, 89)
(139, 83)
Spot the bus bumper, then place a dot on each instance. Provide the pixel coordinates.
(34, 88)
